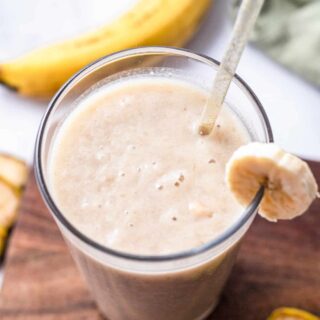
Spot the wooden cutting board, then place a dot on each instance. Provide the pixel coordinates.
(278, 265)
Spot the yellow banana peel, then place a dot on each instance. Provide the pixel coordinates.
(150, 22)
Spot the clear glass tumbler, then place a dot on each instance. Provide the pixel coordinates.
(181, 286)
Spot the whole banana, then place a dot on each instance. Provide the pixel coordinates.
(150, 22)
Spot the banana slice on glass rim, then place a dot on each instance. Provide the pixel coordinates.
(290, 186)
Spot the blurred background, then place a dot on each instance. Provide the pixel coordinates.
(291, 102)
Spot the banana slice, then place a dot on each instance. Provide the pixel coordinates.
(291, 314)
(13, 177)
(13, 171)
(290, 186)
(9, 202)
(3, 237)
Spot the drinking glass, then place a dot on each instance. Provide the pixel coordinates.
(180, 286)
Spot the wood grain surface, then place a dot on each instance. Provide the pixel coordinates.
(278, 265)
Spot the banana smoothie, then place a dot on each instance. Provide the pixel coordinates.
(129, 170)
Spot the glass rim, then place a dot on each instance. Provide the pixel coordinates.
(38, 166)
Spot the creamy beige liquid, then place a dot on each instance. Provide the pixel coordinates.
(129, 170)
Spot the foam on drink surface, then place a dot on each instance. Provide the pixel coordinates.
(129, 170)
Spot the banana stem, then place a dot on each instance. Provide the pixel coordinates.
(248, 13)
